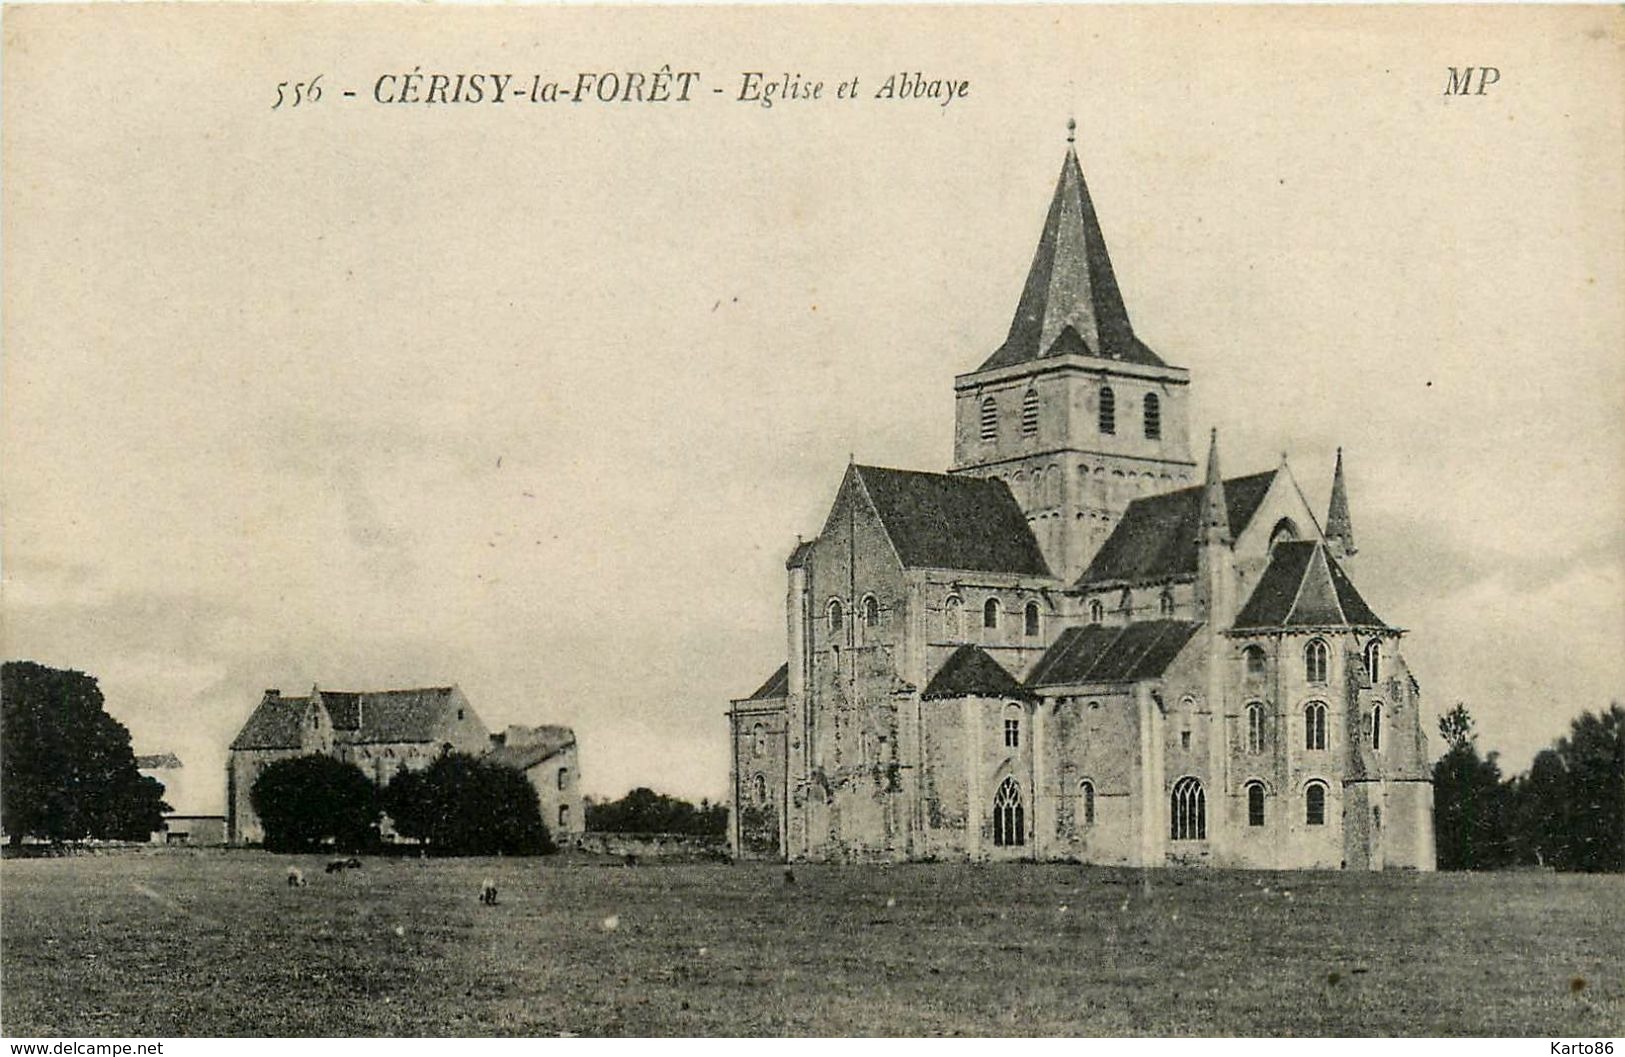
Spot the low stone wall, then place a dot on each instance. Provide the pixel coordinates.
(680, 846)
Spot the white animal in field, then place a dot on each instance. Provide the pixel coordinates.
(296, 877)
(488, 892)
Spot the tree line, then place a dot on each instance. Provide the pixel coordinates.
(645, 811)
(458, 805)
(1566, 813)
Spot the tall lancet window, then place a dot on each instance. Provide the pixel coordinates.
(1108, 410)
(1314, 661)
(1153, 416)
(1029, 414)
(1188, 807)
(990, 419)
(1009, 821)
(1373, 660)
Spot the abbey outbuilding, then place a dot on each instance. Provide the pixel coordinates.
(1081, 643)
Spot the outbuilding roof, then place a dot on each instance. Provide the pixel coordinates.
(359, 717)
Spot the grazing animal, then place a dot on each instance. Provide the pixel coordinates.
(296, 877)
(488, 892)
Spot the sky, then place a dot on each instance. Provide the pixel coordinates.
(534, 399)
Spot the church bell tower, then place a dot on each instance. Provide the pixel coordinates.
(1074, 411)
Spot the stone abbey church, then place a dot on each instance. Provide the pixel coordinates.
(1080, 643)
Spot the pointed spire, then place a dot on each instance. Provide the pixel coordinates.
(1215, 527)
(1071, 302)
(1339, 525)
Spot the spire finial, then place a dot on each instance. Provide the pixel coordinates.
(1071, 131)
(1339, 525)
(1215, 525)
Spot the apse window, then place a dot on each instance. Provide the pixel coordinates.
(1314, 804)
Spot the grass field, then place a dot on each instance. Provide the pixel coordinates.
(217, 944)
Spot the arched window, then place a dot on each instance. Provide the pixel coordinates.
(759, 787)
(990, 419)
(1376, 727)
(1031, 621)
(1009, 821)
(1165, 604)
(1188, 808)
(1314, 804)
(758, 741)
(1029, 413)
(1373, 660)
(1012, 727)
(1285, 529)
(1314, 661)
(1255, 803)
(990, 613)
(1314, 725)
(836, 615)
(1255, 660)
(953, 617)
(1255, 726)
(1153, 416)
(564, 774)
(1108, 410)
(1086, 808)
(564, 817)
(871, 611)
(1097, 612)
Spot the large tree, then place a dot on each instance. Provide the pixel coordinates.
(1592, 816)
(462, 805)
(306, 802)
(1469, 802)
(68, 768)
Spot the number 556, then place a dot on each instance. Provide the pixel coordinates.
(295, 92)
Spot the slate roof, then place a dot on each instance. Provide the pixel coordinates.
(970, 672)
(798, 555)
(359, 717)
(1156, 538)
(163, 761)
(1070, 302)
(938, 521)
(777, 686)
(273, 725)
(1304, 587)
(1096, 653)
(539, 744)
